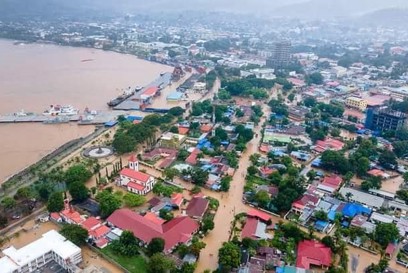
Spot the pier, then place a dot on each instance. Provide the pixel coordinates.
(101, 117)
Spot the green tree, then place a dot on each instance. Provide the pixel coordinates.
(363, 165)
(74, 233)
(133, 200)
(225, 183)
(126, 245)
(329, 242)
(24, 193)
(170, 173)
(8, 202)
(291, 97)
(108, 202)
(252, 170)
(164, 190)
(176, 111)
(156, 245)
(314, 78)
(405, 177)
(262, 198)
(283, 201)
(187, 268)
(166, 215)
(159, 263)
(55, 202)
(77, 173)
(182, 154)
(78, 191)
(207, 224)
(310, 102)
(388, 159)
(254, 158)
(229, 256)
(224, 94)
(174, 129)
(3, 221)
(199, 176)
(321, 215)
(335, 161)
(386, 233)
(123, 143)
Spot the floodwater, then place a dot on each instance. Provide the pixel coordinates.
(230, 205)
(34, 76)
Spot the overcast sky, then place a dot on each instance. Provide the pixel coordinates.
(291, 8)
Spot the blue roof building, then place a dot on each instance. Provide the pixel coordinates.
(175, 96)
(352, 209)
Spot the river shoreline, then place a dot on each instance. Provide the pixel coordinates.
(46, 42)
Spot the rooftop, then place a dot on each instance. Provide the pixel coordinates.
(50, 241)
(312, 253)
(136, 175)
(179, 230)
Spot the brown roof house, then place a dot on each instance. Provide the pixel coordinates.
(197, 207)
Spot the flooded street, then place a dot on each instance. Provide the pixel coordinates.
(392, 185)
(38, 75)
(230, 205)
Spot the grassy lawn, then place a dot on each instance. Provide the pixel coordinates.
(134, 264)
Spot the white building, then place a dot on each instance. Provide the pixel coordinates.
(52, 246)
(134, 180)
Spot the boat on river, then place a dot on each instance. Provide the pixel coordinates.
(61, 110)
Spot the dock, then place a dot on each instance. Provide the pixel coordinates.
(135, 101)
(101, 117)
(35, 118)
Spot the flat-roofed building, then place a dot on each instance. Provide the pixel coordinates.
(357, 103)
(51, 247)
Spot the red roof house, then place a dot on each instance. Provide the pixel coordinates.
(101, 243)
(376, 172)
(307, 199)
(328, 144)
(70, 215)
(259, 214)
(197, 207)
(331, 183)
(99, 232)
(249, 229)
(154, 218)
(135, 175)
(313, 253)
(91, 223)
(265, 171)
(206, 128)
(192, 158)
(149, 92)
(55, 216)
(177, 231)
(177, 199)
(183, 130)
(254, 229)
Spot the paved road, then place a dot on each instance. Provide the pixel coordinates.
(230, 204)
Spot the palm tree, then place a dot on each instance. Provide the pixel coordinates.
(348, 196)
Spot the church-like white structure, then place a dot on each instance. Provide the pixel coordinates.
(134, 180)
